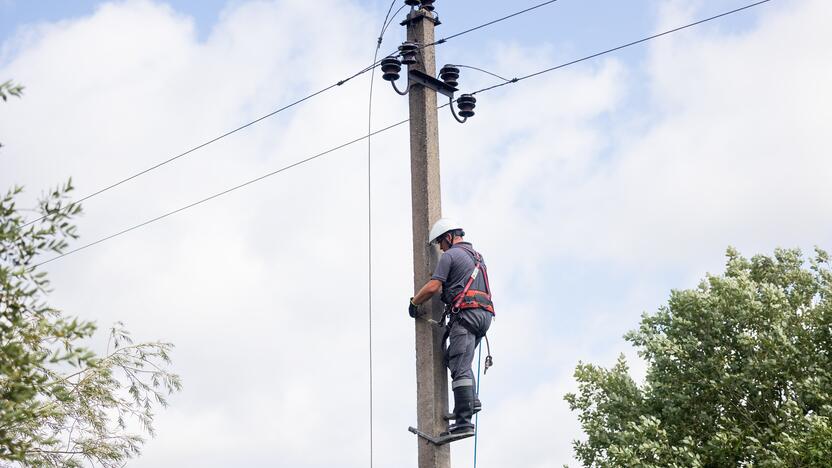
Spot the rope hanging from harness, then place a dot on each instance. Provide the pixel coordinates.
(488, 360)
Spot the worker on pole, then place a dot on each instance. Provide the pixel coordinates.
(462, 279)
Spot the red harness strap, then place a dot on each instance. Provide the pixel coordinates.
(473, 298)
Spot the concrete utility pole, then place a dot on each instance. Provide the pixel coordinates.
(431, 377)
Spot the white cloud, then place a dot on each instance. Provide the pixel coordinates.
(731, 149)
(582, 199)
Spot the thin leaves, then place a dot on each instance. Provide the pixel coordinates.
(9, 88)
(60, 403)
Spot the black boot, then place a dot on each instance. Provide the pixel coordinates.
(477, 408)
(463, 410)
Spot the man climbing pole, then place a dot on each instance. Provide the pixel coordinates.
(462, 279)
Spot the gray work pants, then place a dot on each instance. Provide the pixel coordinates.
(462, 342)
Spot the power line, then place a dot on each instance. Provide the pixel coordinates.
(475, 28)
(588, 57)
(514, 80)
(220, 137)
(372, 66)
(384, 26)
(219, 194)
(391, 19)
(339, 83)
(385, 23)
(495, 21)
(480, 70)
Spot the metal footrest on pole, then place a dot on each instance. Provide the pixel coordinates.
(441, 440)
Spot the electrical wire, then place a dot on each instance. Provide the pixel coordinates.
(224, 192)
(479, 69)
(369, 152)
(588, 57)
(384, 25)
(214, 140)
(495, 21)
(387, 22)
(229, 190)
(514, 80)
(443, 40)
(391, 19)
(518, 79)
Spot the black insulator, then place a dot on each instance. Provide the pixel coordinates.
(408, 51)
(450, 75)
(390, 68)
(428, 5)
(411, 2)
(466, 104)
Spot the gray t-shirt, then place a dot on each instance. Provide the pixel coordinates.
(454, 268)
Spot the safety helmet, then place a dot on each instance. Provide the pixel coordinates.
(440, 227)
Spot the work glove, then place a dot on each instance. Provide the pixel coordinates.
(413, 310)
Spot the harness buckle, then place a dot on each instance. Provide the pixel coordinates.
(451, 311)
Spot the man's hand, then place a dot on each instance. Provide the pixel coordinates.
(413, 310)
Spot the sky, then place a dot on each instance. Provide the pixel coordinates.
(592, 192)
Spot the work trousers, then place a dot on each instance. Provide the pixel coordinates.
(467, 328)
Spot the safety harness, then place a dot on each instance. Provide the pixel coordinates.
(472, 298)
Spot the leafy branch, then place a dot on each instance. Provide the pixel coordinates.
(8, 88)
(60, 403)
(739, 372)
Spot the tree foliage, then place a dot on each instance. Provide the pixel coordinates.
(60, 403)
(9, 88)
(739, 373)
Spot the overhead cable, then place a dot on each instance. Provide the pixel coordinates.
(389, 20)
(384, 25)
(281, 109)
(588, 57)
(480, 70)
(224, 192)
(214, 140)
(495, 21)
(475, 28)
(514, 80)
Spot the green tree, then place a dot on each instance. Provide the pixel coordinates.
(739, 373)
(61, 404)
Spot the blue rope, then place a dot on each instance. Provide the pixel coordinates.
(477, 416)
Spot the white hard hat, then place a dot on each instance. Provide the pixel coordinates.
(441, 227)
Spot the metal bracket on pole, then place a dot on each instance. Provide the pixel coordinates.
(420, 15)
(441, 440)
(422, 78)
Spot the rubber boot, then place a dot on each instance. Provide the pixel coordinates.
(477, 408)
(463, 410)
